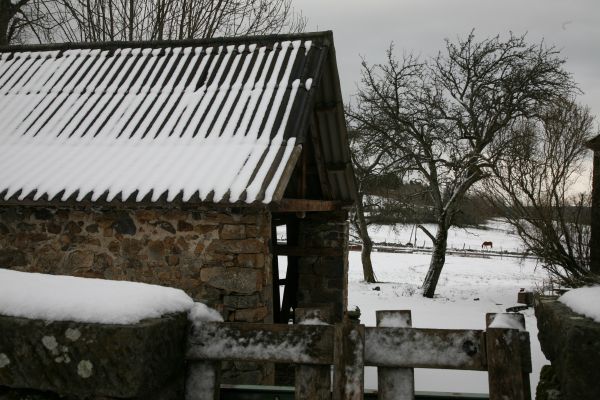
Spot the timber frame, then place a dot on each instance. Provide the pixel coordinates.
(349, 346)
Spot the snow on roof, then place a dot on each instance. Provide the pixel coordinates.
(584, 301)
(211, 121)
(67, 298)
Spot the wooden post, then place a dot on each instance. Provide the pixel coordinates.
(202, 381)
(508, 379)
(395, 383)
(313, 382)
(349, 356)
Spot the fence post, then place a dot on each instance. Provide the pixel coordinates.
(313, 382)
(508, 376)
(349, 361)
(202, 381)
(395, 383)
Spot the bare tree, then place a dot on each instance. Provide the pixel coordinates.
(447, 117)
(110, 20)
(372, 161)
(24, 21)
(533, 186)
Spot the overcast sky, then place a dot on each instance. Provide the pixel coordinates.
(366, 28)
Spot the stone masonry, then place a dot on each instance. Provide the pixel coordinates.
(322, 280)
(572, 344)
(92, 361)
(219, 256)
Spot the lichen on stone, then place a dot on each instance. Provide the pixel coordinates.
(50, 343)
(4, 360)
(85, 369)
(72, 334)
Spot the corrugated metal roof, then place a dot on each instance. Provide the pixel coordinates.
(213, 121)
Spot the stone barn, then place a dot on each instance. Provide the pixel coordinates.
(199, 164)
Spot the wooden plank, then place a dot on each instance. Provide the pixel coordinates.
(349, 352)
(425, 348)
(524, 350)
(504, 364)
(282, 343)
(202, 381)
(320, 163)
(287, 173)
(395, 383)
(297, 251)
(519, 319)
(313, 382)
(305, 205)
(336, 166)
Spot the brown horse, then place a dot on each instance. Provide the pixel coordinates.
(487, 245)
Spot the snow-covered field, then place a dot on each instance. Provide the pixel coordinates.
(468, 289)
(497, 231)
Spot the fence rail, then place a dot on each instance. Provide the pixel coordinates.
(394, 347)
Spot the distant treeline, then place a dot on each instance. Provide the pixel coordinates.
(390, 201)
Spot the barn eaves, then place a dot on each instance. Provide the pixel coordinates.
(220, 121)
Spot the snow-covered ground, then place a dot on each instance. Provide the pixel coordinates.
(497, 231)
(468, 289)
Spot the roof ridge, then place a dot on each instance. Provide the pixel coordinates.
(324, 37)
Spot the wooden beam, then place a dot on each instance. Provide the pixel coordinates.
(305, 205)
(336, 166)
(280, 343)
(298, 251)
(287, 173)
(315, 137)
(404, 347)
(327, 106)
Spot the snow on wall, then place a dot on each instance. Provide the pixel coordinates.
(67, 298)
(585, 301)
(141, 121)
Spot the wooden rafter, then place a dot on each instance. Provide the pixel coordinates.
(305, 205)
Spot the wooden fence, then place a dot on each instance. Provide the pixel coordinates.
(394, 347)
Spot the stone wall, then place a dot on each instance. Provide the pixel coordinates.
(323, 280)
(218, 256)
(93, 361)
(572, 343)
